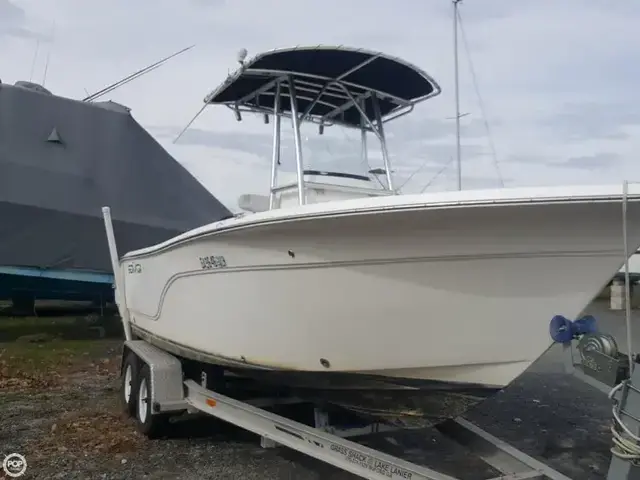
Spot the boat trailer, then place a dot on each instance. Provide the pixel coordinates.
(155, 389)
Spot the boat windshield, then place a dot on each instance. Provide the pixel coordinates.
(337, 153)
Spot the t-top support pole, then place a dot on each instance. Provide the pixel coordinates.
(377, 130)
(363, 139)
(295, 120)
(275, 159)
(383, 142)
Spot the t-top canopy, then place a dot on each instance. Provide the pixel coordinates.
(328, 81)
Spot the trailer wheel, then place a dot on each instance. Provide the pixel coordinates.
(150, 424)
(129, 383)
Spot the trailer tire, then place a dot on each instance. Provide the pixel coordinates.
(149, 424)
(129, 393)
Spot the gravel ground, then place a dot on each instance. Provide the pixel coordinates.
(59, 408)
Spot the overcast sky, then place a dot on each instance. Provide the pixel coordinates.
(558, 81)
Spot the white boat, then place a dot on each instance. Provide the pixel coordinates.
(410, 308)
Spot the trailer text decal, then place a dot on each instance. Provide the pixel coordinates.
(371, 463)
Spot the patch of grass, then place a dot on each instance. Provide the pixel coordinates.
(43, 366)
(7, 398)
(30, 322)
(68, 327)
(54, 352)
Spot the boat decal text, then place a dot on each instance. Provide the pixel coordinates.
(134, 268)
(212, 261)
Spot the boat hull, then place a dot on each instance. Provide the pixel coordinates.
(403, 402)
(460, 297)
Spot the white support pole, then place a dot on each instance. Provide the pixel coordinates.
(363, 137)
(383, 142)
(295, 120)
(275, 159)
(363, 143)
(117, 273)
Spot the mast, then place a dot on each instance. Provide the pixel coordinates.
(457, 90)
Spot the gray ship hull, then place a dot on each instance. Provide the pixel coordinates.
(61, 161)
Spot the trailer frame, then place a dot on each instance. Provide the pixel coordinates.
(172, 393)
